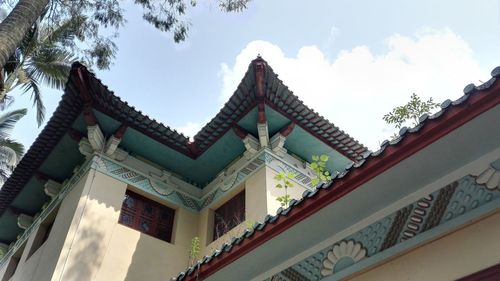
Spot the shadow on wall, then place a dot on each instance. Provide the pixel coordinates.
(155, 260)
(84, 254)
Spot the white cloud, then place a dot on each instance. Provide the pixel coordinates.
(356, 89)
(189, 129)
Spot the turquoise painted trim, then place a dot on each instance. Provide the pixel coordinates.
(67, 187)
(178, 197)
(423, 238)
(451, 201)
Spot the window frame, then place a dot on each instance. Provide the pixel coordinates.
(232, 212)
(158, 217)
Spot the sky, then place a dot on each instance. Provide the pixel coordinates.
(351, 61)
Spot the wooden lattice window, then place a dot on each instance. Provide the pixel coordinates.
(147, 216)
(229, 215)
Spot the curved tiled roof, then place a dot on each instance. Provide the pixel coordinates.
(476, 100)
(281, 99)
(84, 90)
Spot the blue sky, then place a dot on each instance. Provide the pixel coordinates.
(352, 61)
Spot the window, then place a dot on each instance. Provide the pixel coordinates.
(229, 215)
(147, 216)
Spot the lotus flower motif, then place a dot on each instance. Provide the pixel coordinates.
(342, 255)
(489, 176)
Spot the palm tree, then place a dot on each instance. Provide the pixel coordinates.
(42, 58)
(11, 151)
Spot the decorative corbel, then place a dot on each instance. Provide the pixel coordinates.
(52, 188)
(278, 140)
(251, 143)
(85, 147)
(95, 137)
(24, 221)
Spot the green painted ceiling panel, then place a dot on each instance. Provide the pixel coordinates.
(275, 121)
(8, 227)
(108, 125)
(249, 122)
(32, 197)
(201, 171)
(62, 160)
(305, 145)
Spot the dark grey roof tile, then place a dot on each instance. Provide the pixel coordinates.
(486, 85)
(470, 89)
(445, 104)
(495, 72)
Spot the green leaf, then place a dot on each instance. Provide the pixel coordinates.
(279, 185)
(324, 158)
(315, 181)
(314, 165)
(315, 158)
(291, 175)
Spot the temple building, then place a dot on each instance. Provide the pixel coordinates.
(106, 193)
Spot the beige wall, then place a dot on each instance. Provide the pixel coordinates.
(40, 265)
(260, 200)
(272, 192)
(456, 255)
(88, 243)
(105, 250)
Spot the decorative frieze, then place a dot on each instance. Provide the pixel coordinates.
(342, 255)
(489, 176)
(448, 203)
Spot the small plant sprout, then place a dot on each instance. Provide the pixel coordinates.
(284, 181)
(318, 165)
(250, 223)
(194, 251)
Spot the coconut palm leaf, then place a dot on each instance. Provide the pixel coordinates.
(8, 120)
(50, 67)
(17, 147)
(36, 96)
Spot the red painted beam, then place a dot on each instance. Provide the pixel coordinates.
(287, 130)
(239, 131)
(120, 131)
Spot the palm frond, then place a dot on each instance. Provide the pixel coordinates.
(8, 120)
(36, 96)
(8, 157)
(50, 67)
(4, 174)
(17, 147)
(6, 102)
